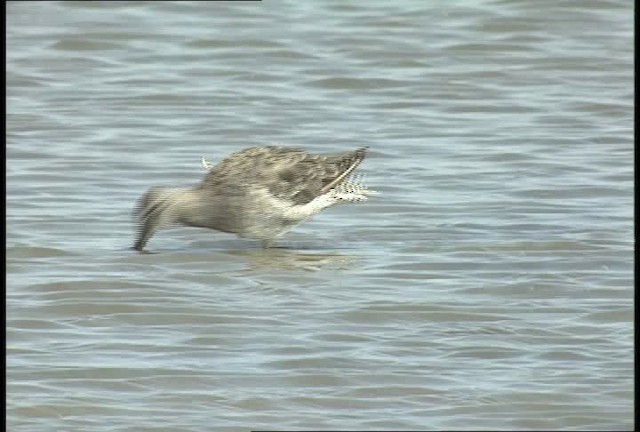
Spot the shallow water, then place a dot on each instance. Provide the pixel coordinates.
(488, 286)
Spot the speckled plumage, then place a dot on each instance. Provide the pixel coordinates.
(259, 192)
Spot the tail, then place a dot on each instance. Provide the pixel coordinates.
(345, 165)
(160, 207)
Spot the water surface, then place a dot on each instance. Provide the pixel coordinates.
(488, 286)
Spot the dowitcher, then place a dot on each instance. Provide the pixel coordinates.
(258, 193)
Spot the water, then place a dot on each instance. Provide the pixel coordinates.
(488, 286)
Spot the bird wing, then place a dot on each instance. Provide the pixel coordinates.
(290, 174)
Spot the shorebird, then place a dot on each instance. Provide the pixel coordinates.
(259, 193)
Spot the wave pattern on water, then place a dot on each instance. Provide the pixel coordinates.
(489, 285)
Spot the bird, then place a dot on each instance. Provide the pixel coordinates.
(256, 193)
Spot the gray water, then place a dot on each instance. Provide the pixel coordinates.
(488, 286)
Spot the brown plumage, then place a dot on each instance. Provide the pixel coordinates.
(259, 192)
